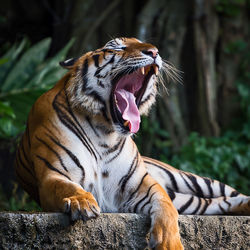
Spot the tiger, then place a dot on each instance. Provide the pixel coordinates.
(77, 155)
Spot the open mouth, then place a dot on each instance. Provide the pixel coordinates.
(126, 96)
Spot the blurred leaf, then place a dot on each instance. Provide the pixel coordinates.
(10, 59)
(28, 78)
(17, 202)
(6, 110)
(50, 70)
(7, 129)
(3, 60)
(25, 67)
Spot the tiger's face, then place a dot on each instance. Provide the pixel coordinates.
(117, 81)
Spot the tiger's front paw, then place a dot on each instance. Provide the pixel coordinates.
(82, 206)
(165, 233)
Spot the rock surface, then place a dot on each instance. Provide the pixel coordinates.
(117, 231)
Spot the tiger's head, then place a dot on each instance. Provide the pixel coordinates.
(118, 81)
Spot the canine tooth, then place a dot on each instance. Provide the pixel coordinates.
(156, 70)
(142, 70)
(126, 123)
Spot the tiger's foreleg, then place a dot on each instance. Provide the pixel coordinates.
(60, 194)
(149, 198)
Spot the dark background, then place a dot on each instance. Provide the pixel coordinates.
(201, 125)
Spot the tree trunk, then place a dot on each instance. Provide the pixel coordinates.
(206, 37)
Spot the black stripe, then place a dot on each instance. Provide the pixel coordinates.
(227, 202)
(208, 182)
(148, 202)
(104, 113)
(114, 148)
(54, 126)
(103, 54)
(100, 84)
(112, 59)
(118, 153)
(107, 50)
(197, 187)
(171, 193)
(207, 203)
(96, 59)
(170, 175)
(234, 193)
(19, 159)
(91, 125)
(28, 184)
(222, 209)
(136, 190)
(186, 205)
(84, 72)
(24, 153)
(95, 95)
(144, 198)
(147, 98)
(101, 68)
(104, 130)
(132, 168)
(49, 130)
(73, 128)
(77, 122)
(56, 153)
(187, 183)
(198, 206)
(72, 125)
(28, 134)
(149, 211)
(222, 189)
(51, 167)
(70, 154)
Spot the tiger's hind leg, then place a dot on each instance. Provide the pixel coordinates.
(191, 204)
(192, 194)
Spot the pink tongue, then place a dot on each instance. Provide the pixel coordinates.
(128, 108)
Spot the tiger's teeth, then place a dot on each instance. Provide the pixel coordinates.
(156, 70)
(125, 124)
(142, 70)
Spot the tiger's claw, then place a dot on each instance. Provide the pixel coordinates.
(82, 207)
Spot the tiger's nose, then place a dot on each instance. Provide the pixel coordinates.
(151, 52)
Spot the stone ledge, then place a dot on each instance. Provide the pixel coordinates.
(117, 231)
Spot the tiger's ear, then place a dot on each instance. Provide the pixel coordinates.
(69, 63)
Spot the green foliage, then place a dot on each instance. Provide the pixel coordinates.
(7, 119)
(226, 158)
(230, 8)
(24, 75)
(238, 46)
(151, 131)
(17, 202)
